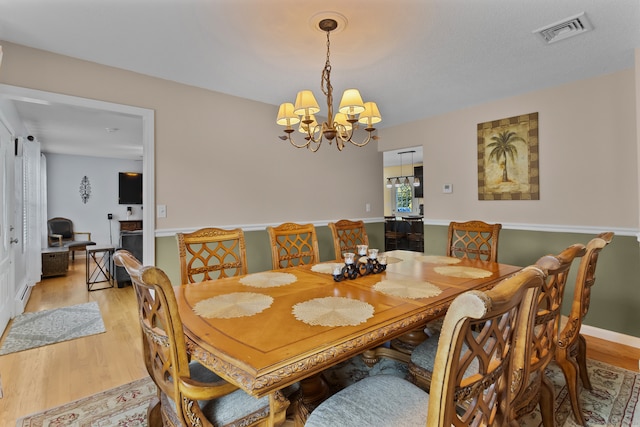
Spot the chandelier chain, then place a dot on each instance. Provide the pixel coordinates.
(325, 82)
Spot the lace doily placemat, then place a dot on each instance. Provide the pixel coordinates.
(393, 260)
(407, 288)
(436, 259)
(268, 279)
(326, 267)
(464, 272)
(236, 304)
(333, 311)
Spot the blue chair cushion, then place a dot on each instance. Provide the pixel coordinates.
(227, 409)
(377, 401)
(76, 244)
(424, 355)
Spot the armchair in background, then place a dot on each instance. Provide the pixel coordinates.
(62, 235)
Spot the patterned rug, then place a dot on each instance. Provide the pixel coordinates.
(123, 406)
(612, 403)
(31, 330)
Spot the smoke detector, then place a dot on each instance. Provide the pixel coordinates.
(564, 29)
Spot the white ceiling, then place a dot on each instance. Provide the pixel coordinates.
(415, 58)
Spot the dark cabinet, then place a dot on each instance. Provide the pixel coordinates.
(131, 225)
(131, 241)
(417, 172)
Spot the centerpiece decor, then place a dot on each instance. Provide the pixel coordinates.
(368, 263)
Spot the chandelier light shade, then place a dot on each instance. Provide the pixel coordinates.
(352, 111)
(286, 116)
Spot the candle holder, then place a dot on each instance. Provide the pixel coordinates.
(352, 269)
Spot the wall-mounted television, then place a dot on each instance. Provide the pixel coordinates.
(130, 188)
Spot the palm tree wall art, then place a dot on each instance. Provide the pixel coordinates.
(508, 159)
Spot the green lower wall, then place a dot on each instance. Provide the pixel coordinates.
(258, 249)
(615, 302)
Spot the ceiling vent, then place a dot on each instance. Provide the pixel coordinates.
(566, 28)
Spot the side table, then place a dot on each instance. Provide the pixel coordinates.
(55, 261)
(102, 257)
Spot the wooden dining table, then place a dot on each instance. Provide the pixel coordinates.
(266, 331)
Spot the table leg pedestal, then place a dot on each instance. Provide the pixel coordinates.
(400, 348)
(278, 405)
(407, 342)
(313, 391)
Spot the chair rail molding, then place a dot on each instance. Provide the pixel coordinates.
(554, 228)
(169, 232)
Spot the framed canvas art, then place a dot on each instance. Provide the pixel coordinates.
(508, 159)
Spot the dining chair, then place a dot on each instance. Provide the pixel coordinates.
(211, 253)
(188, 393)
(415, 235)
(293, 244)
(61, 234)
(530, 360)
(347, 235)
(472, 370)
(473, 239)
(571, 351)
(395, 233)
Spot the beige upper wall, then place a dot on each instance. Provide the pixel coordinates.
(218, 158)
(588, 156)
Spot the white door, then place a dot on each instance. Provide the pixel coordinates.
(7, 231)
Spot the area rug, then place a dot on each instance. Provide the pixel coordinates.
(123, 406)
(613, 401)
(31, 330)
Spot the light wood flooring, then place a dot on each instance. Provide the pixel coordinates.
(49, 376)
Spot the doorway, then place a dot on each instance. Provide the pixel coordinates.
(146, 121)
(404, 182)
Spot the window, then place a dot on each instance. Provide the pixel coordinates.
(404, 198)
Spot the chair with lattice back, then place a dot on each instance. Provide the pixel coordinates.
(188, 393)
(293, 244)
(472, 367)
(571, 350)
(211, 253)
(347, 235)
(473, 239)
(530, 361)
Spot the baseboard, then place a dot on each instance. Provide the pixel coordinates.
(614, 337)
(21, 299)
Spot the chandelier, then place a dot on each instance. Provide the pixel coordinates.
(340, 127)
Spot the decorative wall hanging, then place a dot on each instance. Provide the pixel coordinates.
(85, 189)
(508, 159)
